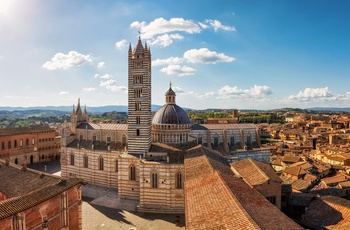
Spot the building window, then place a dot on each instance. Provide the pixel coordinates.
(86, 161)
(232, 141)
(249, 140)
(100, 163)
(27, 141)
(81, 137)
(138, 120)
(178, 180)
(9, 144)
(15, 144)
(272, 199)
(64, 209)
(154, 180)
(93, 138)
(124, 140)
(2, 145)
(116, 165)
(137, 132)
(216, 142)
(137, 106)
(200, 140)
(33, 141)
(132, 173)
(20, 142)
(109, 139)
(71, 159)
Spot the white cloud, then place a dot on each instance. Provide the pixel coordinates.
(168, 61)
(206, 56)
(217, 25)
(107, 83)
(65, 61)
(111, 85)
(101, 65)
(162, 26)
(91, 89)
(162, 32)
(63, 93)
(256, 91)
(313, 94)
(179, 90)
(207, 95)
(120, 44)
(178, 70)
(165, 39)
(105, 76)
(204, 26)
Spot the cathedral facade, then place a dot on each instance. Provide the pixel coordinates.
(144, 159)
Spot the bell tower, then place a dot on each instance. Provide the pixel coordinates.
(139, 99)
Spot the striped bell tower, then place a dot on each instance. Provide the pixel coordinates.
(139, 99)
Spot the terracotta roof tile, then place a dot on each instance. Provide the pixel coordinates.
(335, 179)
(328, 212)
(17, 182)
(255, 172)
(24, 130)
(210, 186)
(295, 171)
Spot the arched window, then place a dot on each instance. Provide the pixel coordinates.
(16, 161)
(86, 161)
(154, 180)
(178, 180)
(116, 165)
(100, 163)
(27, 141)
(33, 141)
(15, 144)
(21, 143)
(9, 144)
(71, 159)
(132, 173)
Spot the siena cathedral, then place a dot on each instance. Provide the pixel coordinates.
(144, 159)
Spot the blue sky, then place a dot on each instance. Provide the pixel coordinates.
(218, 54)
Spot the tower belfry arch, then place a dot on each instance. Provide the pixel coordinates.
(139, 99)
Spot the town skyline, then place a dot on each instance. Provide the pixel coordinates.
(244, 55)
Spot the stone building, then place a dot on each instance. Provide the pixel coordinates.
(34, 200)
(144, 159)
(29, 144)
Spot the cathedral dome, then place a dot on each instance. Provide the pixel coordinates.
(171, 114)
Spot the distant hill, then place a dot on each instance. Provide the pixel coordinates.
(332, 109)
(97, 109)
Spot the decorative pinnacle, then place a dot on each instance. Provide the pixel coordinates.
(170, 84)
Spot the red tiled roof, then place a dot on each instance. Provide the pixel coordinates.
(291, 159)
(209, 203)
(24, 130)
(217, 199)
(255, 172)
(295, 171)
(335, 179)
(328, 212)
